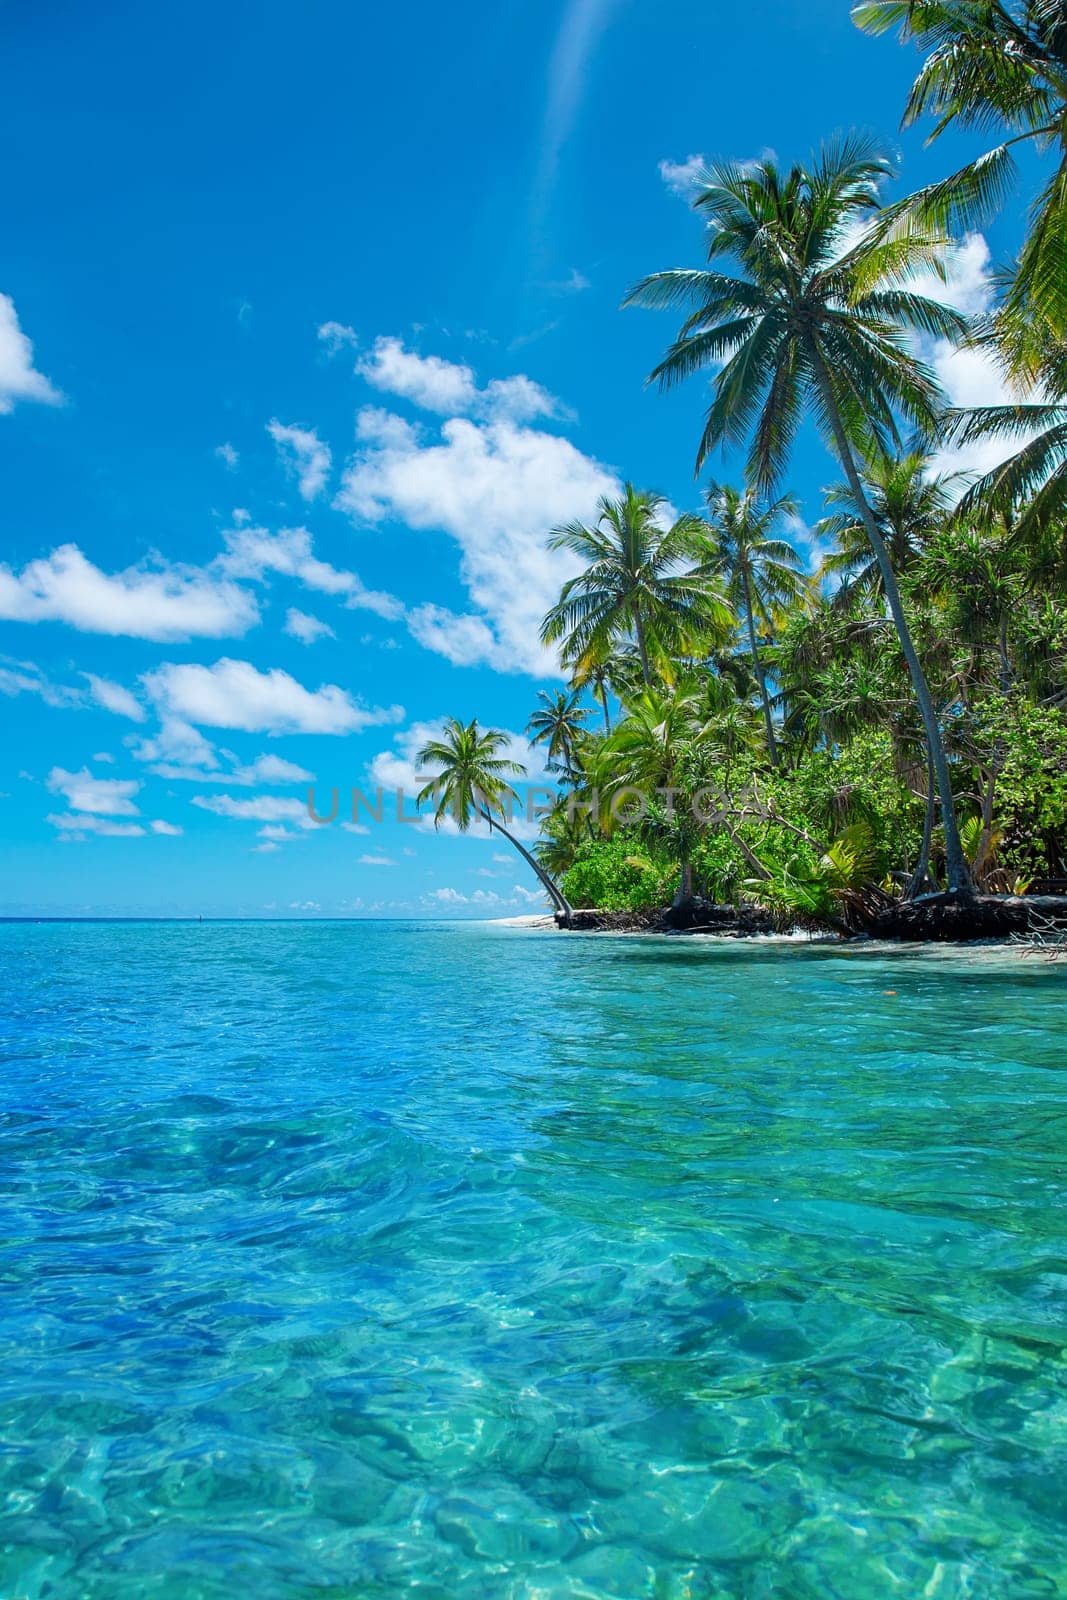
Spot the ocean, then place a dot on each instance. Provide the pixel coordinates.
(455, 1260)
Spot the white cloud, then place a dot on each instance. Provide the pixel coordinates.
(447, 897)
(24, 677)
(530, 896)
(177, 746)
(234, 694)
(306, 628)
(968, 282)
(74, 825)
(253, 552)
(336, 336)
(376, 861)
(265, 769)
(450, 387)
(227, 455)
(273, 769)
(275, 832)
(427, 381)
(114, 697)
(102, 755)
(970, 378)
(303, 455)
(257, 808)
(463, 640)
(497, 489)
(684, 178)
(265, 849)
(157, 600)
(169, 829)
(109, 797)
(19, 378)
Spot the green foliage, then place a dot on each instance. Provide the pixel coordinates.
(619, 874)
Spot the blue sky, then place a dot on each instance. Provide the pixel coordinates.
(309, 334)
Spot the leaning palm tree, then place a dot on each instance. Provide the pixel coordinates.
(994, 63)
(559, 723)
(815, 319)
(638, 585)
(471, 781)
(759, 572)
(910, 504)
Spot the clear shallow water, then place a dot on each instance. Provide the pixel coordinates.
(380, 1259)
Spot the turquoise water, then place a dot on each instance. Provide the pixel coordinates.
(371, 1260)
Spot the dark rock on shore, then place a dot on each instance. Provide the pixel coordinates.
(949, 918)
(695, 916)
(934, 919)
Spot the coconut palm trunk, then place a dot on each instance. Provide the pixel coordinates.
(761, 679)
(921, 874)
(555, 894)
(959, 874)
(642, 650)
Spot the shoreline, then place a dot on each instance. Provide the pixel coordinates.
(1035, 924)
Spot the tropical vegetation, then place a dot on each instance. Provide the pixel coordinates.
(826, 722)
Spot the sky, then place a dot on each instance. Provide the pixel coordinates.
(309, 334)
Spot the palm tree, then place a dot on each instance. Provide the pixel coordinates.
(816, 319)
(910, 506)
(638, 584)
(651, 750)
(471, 781)
(1031, 486)
(593, 671)
(759, 573)
(558, 722)
(994, 62)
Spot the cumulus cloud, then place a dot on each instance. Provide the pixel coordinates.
(114, 697)
(227, 455)
(75, 825)
(169, 829)
(336, 336)
(684, 178)
(234, 694)
(463, 640)
(157, 600)
(19, 378)
(450, 387)
(496, 488)
(175, 747)
(306, 628)
(376, 861)
(303, 455)
(107, 797)
(252, 553)
(970, 378)
(257, 808)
